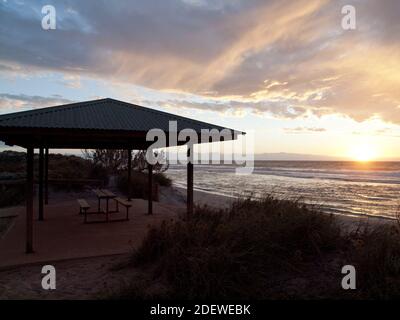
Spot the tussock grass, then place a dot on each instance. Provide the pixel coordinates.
(376, 255)
(12, 195)
(265, 249)
(4, 224)
(244, 252)
(139, 183)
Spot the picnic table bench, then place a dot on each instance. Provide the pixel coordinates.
(83, 207)
(125, 203)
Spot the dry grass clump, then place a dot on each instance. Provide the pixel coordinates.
(265, 249)
(250, 251)
(139, 183)
(376, 255)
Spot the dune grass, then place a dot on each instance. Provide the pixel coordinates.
(264, 249)
(245, 252)
(139, 183)
(4, 224)
(376, 255)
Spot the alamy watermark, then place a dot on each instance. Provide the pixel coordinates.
(349, 21)
(349, 280)
(49, 280)
(238, 152)
(49, 21)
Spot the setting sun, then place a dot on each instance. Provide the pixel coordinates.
(363, 152)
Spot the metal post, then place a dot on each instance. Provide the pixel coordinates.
(190, 188)
(41, 167)
(29, 200)
(129, 175)
(46, 176)
(189, 180)
(150, 169)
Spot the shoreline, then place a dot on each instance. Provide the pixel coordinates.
(219, 201)
(229, 198)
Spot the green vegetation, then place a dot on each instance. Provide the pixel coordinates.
(4, 224)
(12, 194)
(61, 167)
(139, 183)
(116, 162)
(268, 249)
(71, 171)
(376, 255)
(162, 179)
(13, 165)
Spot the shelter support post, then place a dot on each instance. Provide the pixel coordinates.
(46, 176)
(150, 169)
(190, 188)
(41, 171)
(29, 200)
(129, 175)
(189, 197)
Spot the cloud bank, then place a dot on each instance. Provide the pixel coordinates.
(286, 58)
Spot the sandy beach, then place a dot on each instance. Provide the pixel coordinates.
(177, 195)
(76, 279)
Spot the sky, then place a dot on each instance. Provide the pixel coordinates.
(285, 69)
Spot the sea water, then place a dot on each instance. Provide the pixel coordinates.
(342, 187)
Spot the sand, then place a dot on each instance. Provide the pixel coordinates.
(90, 278)
(177, 195)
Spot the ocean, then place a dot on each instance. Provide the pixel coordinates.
(339, 187)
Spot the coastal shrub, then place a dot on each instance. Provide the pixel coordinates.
(69, 168)
(255, 250)
(99, 172)
(4, 224)
(162, 179)
(110, 159)
(376, 256)
(115, 160)
(11, 194)
(12, 161)
(13, 164)
(139, 184)
(265, 249)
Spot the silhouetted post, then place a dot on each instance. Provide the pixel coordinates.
(41, 167)
(29, 200)
(150, 169)
(46, 176)
(129, 175)
(190, 181)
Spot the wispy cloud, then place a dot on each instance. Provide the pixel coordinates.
(22, 101)
(301, 130)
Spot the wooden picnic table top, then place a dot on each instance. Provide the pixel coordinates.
(104, 193)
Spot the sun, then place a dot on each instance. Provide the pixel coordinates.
(363, 152)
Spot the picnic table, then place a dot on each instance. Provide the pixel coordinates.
(104, 194)
(84, 206)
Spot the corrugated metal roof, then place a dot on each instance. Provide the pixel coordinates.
(103, 114)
